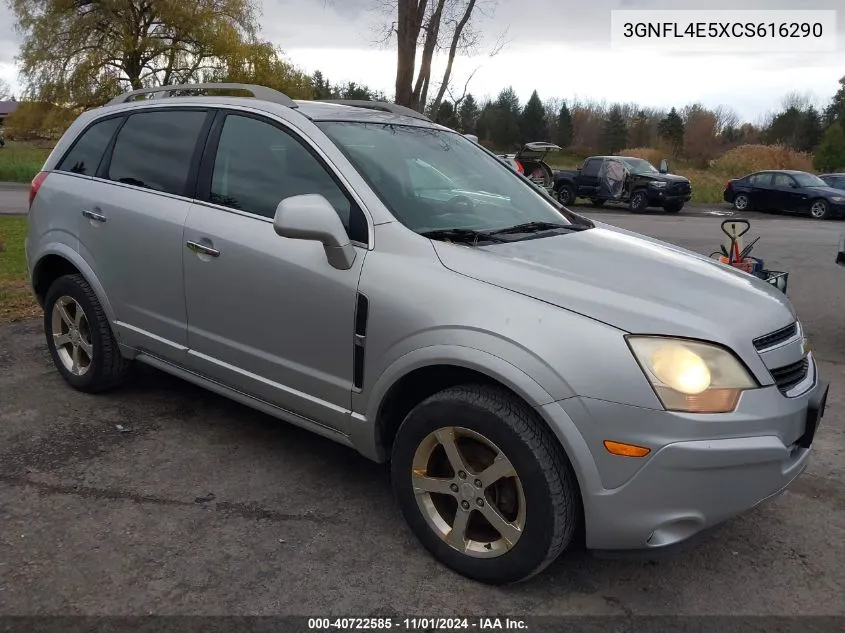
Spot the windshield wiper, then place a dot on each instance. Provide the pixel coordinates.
(535, 227)
(463, 235)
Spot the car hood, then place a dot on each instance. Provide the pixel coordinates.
(664, 177)
(630, 281)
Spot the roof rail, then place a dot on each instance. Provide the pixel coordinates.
(384, 106)
(259, 92)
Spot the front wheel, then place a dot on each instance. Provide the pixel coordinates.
(639, 201)
(565, 195)
(820, 209)
(484, 486)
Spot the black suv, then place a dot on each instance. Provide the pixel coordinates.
(633, 181)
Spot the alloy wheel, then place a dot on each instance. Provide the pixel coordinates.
(741, 202)
(818, 209)
(72, 335)
(469, 492)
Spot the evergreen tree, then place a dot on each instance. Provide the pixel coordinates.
(504, 130)
(446, 115)
(671, 130)
(565, 130)
(322, 87)
(614, 135)
(468, 113)
(810, 130)
(835, 112)
(532, 122)
(640, 132)
(830, 155)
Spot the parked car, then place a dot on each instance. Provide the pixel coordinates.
(837, 181)
(785, 190)
(515, 362)
(626, 179)
(530, 161)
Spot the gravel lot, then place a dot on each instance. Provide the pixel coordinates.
(163, 498)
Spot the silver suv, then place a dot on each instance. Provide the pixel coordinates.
(387, 283)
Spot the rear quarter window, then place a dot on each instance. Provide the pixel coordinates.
(87, 151)
(154, 149)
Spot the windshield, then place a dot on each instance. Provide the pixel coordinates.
(809, 180)
(639, 166)
(434, 179)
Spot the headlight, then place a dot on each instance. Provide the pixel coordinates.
(657, 184)
(690, 376)
(837, 199)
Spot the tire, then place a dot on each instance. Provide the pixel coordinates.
(485, 420)
(820, 209)
(598, 202)
(88, 357)
(674, 207)
(565, 194)
(639, 201)
(742, 202)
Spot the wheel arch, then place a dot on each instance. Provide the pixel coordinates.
(420, 373)
(57, 260)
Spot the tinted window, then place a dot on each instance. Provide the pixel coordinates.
(85, 155)
(154, 150)
(258, 165)
(838, 183)
(759, 180)
(782, 180)
(591, 167)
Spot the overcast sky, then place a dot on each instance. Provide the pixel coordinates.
(561, 48)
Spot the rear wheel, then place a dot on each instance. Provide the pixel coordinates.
(639, 201)
(742, 202)
(484, 486)
(79, 337)
(820, 209)
(565, 194)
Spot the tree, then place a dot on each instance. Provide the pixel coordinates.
(785, 128)
(810, 130)
(446, 115)
(322, 89)
(671, 130)
(504, 119)
(5, 90)
(468, 115)
(701, 142)
(532, 121)
(835, 112)
(615, 131)
(640, 130)
(82, 52)
(564, 131)
(830, 155)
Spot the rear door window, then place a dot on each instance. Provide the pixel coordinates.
(85, 155)
(154, 149)
(760, 180)
(591, 167)
(782, 180)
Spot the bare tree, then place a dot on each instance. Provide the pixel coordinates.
(5, 90)
(424, 28)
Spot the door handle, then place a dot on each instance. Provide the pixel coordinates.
(93, 215)
(202, 249)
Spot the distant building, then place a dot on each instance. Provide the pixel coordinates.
(6, 108)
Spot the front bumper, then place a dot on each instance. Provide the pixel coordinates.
(659, 197)
(685, 486)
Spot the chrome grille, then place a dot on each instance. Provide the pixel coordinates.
(788, 376)
(776, 337)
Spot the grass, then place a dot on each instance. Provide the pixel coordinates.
(16, 300)
(19, 162)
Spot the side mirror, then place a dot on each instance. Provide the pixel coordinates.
(664, 167)
(472, 137)
(312, 217)
(840, 256)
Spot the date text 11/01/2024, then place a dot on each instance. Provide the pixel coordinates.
(417, 624)
(669, 30)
